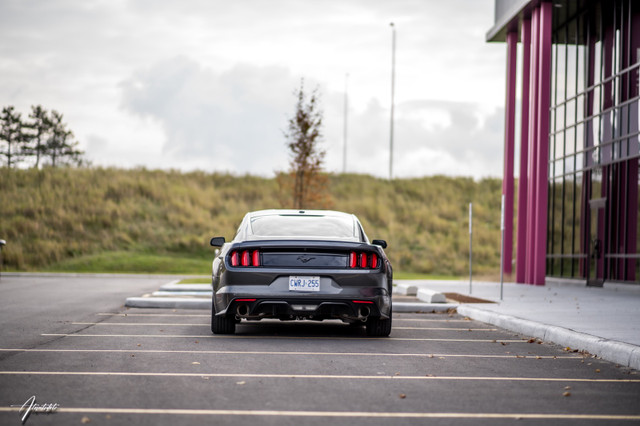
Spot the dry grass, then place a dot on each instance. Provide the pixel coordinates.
(58, 218)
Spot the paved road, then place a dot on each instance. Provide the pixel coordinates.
(110, 365)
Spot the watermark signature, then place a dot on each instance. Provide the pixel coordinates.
(30, 407)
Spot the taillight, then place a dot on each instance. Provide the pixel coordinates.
(353, 260)
(245, 258)
(363, 260)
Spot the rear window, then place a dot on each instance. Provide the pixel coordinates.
(303, 226)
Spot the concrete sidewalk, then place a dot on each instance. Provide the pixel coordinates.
(603, 321)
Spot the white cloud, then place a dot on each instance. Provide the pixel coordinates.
(208, 83)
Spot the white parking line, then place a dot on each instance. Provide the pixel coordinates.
(167, 324)
(279, 353)
(315, 376)
(114, 314)
(362, 339)
(338, 414)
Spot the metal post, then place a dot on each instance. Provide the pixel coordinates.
(470, 245)
(393, 85)
(502, 247)
(2, 244)
(346, 105)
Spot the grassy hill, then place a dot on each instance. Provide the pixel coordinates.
(113, 220)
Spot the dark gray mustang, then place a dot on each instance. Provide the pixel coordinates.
(295, 265)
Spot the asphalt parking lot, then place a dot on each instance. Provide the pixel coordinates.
(142, 366)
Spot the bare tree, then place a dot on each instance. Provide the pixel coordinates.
(303, 138)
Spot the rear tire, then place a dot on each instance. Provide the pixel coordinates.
(221, 324)
(378, 327)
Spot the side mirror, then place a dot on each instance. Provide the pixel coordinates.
(381, 243)
(217, 241)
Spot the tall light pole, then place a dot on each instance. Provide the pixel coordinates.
(346, 106)
(393, 84)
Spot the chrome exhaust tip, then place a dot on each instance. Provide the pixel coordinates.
(242, 310)
(363, 312)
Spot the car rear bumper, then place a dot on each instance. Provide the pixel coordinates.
(258, 302)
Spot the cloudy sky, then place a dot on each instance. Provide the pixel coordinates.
(208, 84)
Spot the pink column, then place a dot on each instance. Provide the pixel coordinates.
(521, 245)
(533, 119)
(542, 152)
(509, 142)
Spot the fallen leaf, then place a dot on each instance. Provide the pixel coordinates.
(195, 363)
(531, 341)
(597, 370)
(567, 388)
(430, 355)
(397, 374)
(241, 383)
(503, 343)
(567, 393)
(402, 396)
(85, 420)
(132, 356)
(538, 357)
(139, 344)
(197, 341)
(108, 417)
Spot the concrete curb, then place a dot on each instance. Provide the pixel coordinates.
(611, 350)
(169, 302)
(431, 296)
(174, 287)
(205, 303)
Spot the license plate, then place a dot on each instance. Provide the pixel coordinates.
(304, 283)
